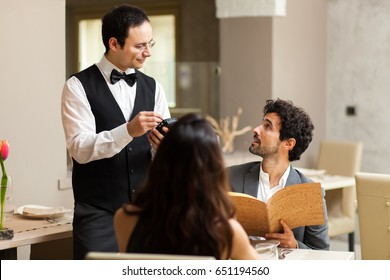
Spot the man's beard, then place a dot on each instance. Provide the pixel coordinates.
(263, 151)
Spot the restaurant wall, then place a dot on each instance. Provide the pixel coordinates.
(271, 57)
(32, 73)
(299, 67)
(358, 76)
(246, 71)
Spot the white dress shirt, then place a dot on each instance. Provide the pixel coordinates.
(265, 192)
(79, 122)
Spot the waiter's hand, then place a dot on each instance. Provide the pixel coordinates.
(286, 239)
(155, 137)
(143, 122)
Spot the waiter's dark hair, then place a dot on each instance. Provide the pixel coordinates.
(118, 20)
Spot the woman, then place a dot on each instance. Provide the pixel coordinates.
(183, 208)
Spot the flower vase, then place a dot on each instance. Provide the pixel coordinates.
(7, 233)
(9, 206)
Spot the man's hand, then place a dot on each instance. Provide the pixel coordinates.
(286, 239)
(143, 122)
(155, 137)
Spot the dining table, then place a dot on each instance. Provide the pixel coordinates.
(35, 231)
(307, 254)
(271, 250)
(328, 181)
(30, 231)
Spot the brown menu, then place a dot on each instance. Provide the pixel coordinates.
(298, 205)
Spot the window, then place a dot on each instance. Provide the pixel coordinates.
(161, 65)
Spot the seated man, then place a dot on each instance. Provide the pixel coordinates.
(283, 135)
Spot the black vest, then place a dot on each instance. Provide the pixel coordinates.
(109, 183)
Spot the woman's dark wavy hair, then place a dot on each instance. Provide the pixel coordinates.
(295, 123)
(118, 20)
(185, 205)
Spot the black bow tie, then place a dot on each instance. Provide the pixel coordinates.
(130, 79)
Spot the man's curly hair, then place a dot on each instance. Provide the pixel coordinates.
(295, 123)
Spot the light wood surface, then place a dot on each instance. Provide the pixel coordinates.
(331, 182)
(31, 231)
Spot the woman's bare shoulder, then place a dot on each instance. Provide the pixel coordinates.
(130, 208)
(242, 249)
(236, 226)
(124, 224)
(126, 213)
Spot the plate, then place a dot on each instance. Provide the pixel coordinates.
(41, 212)
(311, 172)
(255, 242)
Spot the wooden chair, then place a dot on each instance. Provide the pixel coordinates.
(341, 158)
(373, 196)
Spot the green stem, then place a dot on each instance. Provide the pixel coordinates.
(4, 180)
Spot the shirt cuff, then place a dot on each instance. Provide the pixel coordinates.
(121, 135)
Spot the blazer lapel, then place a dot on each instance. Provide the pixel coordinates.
(251, 180)
(293, 178)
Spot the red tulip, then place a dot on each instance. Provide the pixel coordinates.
(4, 149)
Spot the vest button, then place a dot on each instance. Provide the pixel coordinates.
(130, 149)
(133, 191)
(131, 171)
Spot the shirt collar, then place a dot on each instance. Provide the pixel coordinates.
(106, 67)
(264, 177)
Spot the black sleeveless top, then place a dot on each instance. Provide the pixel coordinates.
(138, 242)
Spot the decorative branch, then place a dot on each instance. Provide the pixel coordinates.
(226, 133)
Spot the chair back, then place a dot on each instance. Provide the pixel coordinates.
(139, 256)
(341, 158)
(373, 196)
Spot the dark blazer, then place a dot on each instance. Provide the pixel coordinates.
(244, 178)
